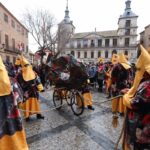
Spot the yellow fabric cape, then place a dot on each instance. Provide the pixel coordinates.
(123, 61)
(27, 71)
(5, 85)
(142, 65)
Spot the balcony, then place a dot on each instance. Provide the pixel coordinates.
(12, 50)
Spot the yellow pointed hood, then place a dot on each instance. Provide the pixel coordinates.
(5, 85)
(21, 60)
(114, 59)
(27, 71)
(142, 65)
(123, 61)
(146, 60)
(101, 60)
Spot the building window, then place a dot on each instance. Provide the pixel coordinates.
(128, 23)
(128, 13)
(22, 31)
(7, 58)
(13, 44)
(78, 54)
(114, 52)
(26, 34)
(126, 53)
(127, 32)
(106, 54)
(99, 54)
(127, 41)
(85, 54)
(6, 41)
(18, 28)
(71, 44)
(114, 42)
(72, 53)
(92, 54)
(85, 43)
(6, 18)
(78, 44)
(13, 23)
(92, 43)
(106, 42)
(99, 42)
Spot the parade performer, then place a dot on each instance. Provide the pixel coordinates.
(100, 74)
(119, 77)
(12, 135)
(108, 79)
(137, 100)
(31, 84)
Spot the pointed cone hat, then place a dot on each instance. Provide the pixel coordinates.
(27, 71)
(5, 85)
(101, 60)
(146, 59)
(142, 65)
(123, 61)
(21, 60)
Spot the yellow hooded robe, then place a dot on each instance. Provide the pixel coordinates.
(17, 141)
(31, 104)
(142, 65)
(117, 103)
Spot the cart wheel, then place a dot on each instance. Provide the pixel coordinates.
(68, 97)
(77, 104)
(57, 100)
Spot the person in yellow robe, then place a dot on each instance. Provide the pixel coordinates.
(12, 135)
(88, 98)
(119, 78)
(108, 79)
(137, 100)
(31, 84)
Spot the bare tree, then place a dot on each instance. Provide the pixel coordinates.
(41, 25)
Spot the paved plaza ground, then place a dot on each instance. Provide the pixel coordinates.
(62, 130)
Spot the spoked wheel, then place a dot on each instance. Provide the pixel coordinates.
(68, 97)
(77, 104)
(57, 100)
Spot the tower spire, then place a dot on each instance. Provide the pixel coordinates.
(67, 4)
(128, 3)
(67, 18)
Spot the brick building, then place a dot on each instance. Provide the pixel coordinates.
(13, 35)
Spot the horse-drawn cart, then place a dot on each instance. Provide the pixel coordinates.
(69, 78)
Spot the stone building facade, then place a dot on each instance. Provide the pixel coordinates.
(89, 46)
(145, 37)
(13, 36)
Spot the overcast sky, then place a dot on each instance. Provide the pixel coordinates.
(85, 14)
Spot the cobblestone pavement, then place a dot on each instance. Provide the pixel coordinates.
(62, 130)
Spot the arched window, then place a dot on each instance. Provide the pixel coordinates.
(114, 52)
(92, 54)
(126, 52)
(99, 54)
(106, 54)
(78, 54)
(85, 54)
(72, 52)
